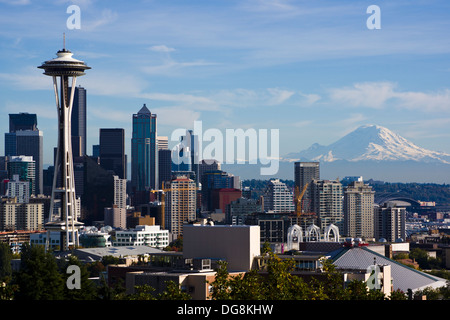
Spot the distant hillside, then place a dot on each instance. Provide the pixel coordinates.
(439, 193)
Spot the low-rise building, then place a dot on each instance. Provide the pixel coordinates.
(143, 235)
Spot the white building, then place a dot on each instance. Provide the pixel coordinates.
(18, 189)
(358, 210)
(21, 216)
(55, 239)
(144, 235)
(238, 245)
(278, 198)
(120, 192)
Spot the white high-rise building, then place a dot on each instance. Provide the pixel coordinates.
(326, 201)
(25, 168)
(21, 216)
(120, 192)
(278, 197)
(18, 189)
(358, 210)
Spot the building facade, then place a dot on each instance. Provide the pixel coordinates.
(180, 204)
(18, 189)
(25, 168)
(326, 200)
(304, 174)
(278, 198)
(116, 217)
(358, 210)
(78, 122)
(144, 151)
(21, 216)
(112, 151)
(164, 166)
(390, 222)
(143, 235)
(120, 192)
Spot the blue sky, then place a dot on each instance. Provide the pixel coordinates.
(311, 69)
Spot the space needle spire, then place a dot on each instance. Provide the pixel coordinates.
(64, 220)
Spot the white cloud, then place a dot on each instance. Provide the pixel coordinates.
(381, 95)
(310, 98)
(106, 17)
(161, 48)
(176, 116)
(16, 2)
(113, 84)
(368, 94)
(278, 96)
(30, 78)
(172, 68)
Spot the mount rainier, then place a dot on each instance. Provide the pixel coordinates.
(371, 151)
(369, 142)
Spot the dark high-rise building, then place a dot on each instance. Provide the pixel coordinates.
(210, 181)
(98, 191)
(304, 174)
(25, 139)
(22, 121)
(112, 151)
(165, 166)
(78, 122)
(144, 151)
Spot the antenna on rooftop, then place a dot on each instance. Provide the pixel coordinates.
(64, 41)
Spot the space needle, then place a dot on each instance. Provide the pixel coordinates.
(64, 220)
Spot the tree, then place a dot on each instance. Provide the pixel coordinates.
(106, 260)
(5, 261)
(398, 295)
(38, 277)
(219, 287)
(144, 292)
(173, 292)
(87, 290)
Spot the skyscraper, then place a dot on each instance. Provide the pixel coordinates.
(25, 139)
(278, 198)
(326, 200)
(18, 189)
(164, 166)
(180, 204)
(25, 168)
(120, 192)
(22, 121)
(144, 151)
(212, 180)
(185, 156)
(112, 151)
(78, 119)
(358, 210)
(390, 222)
(304, 174)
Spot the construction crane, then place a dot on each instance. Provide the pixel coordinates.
(298, 199)
(163, 191)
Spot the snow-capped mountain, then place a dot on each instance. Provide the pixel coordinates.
(369, 142)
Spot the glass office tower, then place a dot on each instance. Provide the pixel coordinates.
(144, 151)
